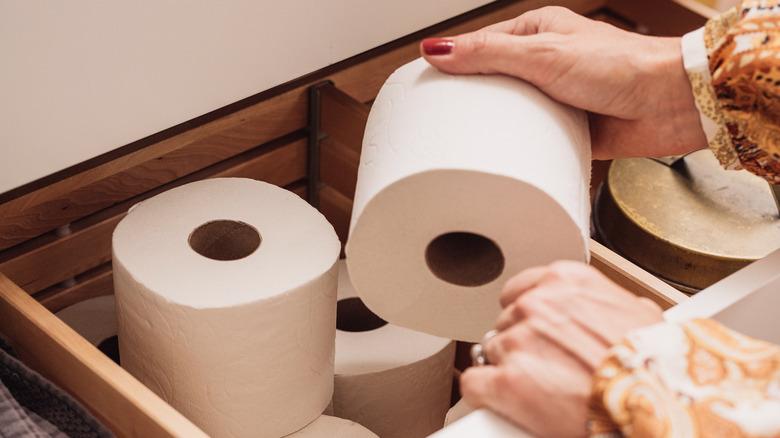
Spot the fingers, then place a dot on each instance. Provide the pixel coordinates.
(650, 304)
(551, 335)
(530, 57)
(511, 315)
(499, 389)
(546, 396)
(522, 283)
(479, 386)
(545, 295)
(518, 337)
(534, 277)
(569, 336)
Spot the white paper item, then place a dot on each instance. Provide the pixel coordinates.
(241, 347)
(332, 427)
(395, 381)
(491, 156)
(460, 410)
(482, 423)
(94, 318)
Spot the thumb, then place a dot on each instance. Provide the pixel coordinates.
(528, 57)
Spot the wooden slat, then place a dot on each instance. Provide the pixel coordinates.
(632, 277)
(90, 243)
(60, 354)
(662, 17)
(339, 166)
(698, 8)
(342, 117)
(72, 198)
(89, 191)
(337, 208)
(99, 281)
(342, 120)
(299, 188)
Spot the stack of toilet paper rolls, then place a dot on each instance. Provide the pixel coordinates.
(226, 297)
(393, 380)
(226, 289)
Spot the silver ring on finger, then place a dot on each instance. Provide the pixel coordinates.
(479, 350)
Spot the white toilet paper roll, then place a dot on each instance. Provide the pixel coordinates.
(392, 380)
(332, 427)
(95, 320)
(226, 303)
(463, 182)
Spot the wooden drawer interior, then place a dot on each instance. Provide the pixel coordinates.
(55, 234)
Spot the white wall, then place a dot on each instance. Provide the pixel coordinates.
(82, 77)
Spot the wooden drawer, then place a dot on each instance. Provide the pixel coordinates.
(55, 234)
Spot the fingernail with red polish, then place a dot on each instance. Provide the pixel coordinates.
(437, 46)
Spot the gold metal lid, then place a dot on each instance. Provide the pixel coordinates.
(691, 225)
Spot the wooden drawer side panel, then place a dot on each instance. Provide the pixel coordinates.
(60, 354)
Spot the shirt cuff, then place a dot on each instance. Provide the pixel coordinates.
(694, 53)
(696, 64)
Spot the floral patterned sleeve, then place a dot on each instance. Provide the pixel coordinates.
(697, 379)
(734, 67)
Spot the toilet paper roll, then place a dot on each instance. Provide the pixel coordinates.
(332, 427)
(95, 320)
(226, 304)
(463, 182)
(395, 381)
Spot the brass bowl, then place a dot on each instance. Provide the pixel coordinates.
(690, 225)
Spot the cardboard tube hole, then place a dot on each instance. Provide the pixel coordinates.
(353, 316)
(225, 240)
(464, 259)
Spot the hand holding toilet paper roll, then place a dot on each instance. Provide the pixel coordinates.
(395, 381)
(463, 182)
(226, 301)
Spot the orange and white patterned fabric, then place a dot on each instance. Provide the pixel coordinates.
(697, 379)
(734, 67)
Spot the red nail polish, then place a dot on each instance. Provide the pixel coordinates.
(437, 46)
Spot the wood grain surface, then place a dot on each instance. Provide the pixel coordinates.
(47, 344)
(89, 244)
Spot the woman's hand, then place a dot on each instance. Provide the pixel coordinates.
(634, 86)
(556, 327)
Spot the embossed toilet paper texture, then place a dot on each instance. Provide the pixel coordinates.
(489, 155)
(243, 348)
(394, 381)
